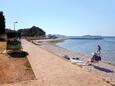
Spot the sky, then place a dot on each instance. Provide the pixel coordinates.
(66, 17)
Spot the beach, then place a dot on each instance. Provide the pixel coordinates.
(51, 69)
(103, 68)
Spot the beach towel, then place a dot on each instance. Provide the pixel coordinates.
(78, 62)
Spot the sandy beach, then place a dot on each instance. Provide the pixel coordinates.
(52, 70)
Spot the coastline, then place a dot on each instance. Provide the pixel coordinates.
(52, 70)
(103, 68)
(87, 56)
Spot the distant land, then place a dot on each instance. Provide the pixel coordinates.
(86, 37)
(80, 37)
(83, 37)
(60, 36)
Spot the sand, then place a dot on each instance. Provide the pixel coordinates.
(13, 69)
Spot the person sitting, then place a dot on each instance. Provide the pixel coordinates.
(95, 58)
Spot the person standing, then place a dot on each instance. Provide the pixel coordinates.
(98, 50)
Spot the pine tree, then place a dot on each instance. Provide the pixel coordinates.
(2, 23)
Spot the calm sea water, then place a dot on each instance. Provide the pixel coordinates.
(87, 47)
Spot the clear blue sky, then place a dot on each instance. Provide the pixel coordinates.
(67, 17)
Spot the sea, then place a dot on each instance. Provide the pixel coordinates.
(87, 47)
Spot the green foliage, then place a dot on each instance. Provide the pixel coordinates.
(14, 45)
(32, 32)
(13, 41)
(8, 31)
(2, 23)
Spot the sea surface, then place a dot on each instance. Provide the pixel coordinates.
(87, 47)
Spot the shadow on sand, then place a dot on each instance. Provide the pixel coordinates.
(103, 69)
(18, 54)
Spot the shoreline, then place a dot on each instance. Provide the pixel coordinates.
(54, 41)
(86, 55)
(104, 69)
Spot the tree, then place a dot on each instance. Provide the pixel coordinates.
(2, 23)
(32, 32)
(36, 31)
